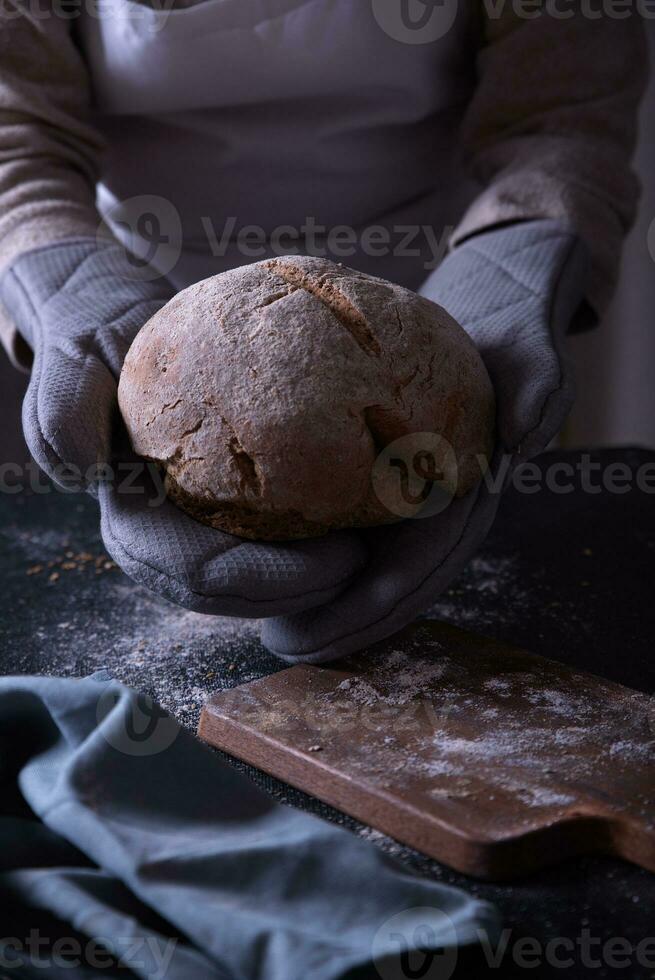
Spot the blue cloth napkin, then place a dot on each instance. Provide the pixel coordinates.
(121, 834)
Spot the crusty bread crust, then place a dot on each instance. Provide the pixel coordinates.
(266, 394)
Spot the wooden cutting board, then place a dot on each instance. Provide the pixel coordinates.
(490, 759)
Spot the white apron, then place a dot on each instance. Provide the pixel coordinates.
(283, 115)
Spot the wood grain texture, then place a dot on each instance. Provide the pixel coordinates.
(488, 758)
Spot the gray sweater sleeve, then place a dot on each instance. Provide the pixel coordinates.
(552, 126)
(49, 150)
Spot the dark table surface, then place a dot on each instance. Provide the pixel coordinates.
(569, 575)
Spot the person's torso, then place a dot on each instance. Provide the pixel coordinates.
(282, 115)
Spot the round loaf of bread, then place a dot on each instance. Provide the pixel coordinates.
(267, 393)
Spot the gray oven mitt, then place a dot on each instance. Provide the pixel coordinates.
(79, 304)
(515, 291)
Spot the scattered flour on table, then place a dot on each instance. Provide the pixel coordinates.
(387, 844)
(400, 679)
(538, 735)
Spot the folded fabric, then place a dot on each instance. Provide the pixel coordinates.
(118, 827)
